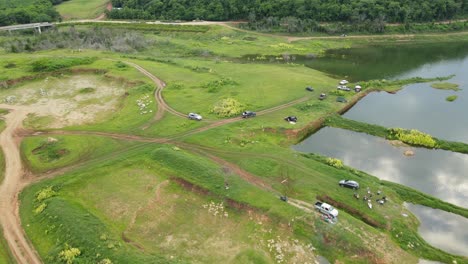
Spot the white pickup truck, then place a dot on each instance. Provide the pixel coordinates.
(326, 209)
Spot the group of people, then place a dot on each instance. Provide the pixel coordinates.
(368, 197)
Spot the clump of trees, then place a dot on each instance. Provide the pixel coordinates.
(360, 11)
(24, 12)
(94, 38)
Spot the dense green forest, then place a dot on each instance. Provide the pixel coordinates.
(27, 11)
(393, 11)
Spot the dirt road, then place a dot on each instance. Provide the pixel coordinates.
(162, 105)
(11, 186)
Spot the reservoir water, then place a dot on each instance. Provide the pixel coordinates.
(440, 173)
(416, 106)
(442, 229)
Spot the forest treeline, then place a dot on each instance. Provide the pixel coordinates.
(24, 11)
(354, 11)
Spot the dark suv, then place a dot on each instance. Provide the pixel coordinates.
(349, 184)
(248, 114)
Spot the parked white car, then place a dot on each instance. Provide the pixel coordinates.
(195, 116)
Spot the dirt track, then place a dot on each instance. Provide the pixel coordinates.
(11, 186)
(162, 105)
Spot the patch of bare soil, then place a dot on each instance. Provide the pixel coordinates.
(63, 99)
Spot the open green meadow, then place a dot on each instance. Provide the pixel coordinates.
(81, 9)
(125, 183)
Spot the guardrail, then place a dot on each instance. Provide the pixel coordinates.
(37, 26)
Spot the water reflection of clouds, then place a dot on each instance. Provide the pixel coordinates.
(442, 229)
(450, 178)
(420, 107)
(439, 173)
(387, 169)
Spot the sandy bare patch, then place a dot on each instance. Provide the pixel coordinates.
(69, 100)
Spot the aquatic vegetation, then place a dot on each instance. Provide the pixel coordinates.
(445, 86)
(413, 137)
(451, 98)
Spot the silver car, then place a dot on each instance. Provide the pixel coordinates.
(195, 116)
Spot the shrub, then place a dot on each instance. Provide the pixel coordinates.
(227, 107)
(121, 65)
(45, 193)
(413, 137)
(40, 208)
(334, 162)
(69, 254)
(54, 64)
(338, 93)
(216, 85)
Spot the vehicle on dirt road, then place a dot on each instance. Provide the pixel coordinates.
(194, 116)
(350, 184)
(248, 114)
(326, 209)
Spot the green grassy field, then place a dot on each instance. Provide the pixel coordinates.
(48, 153)
(210, 196)
(5, 255)
(81, 9)
(134, 198)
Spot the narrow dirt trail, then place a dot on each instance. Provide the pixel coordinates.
(162, 105)
(11, 186)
